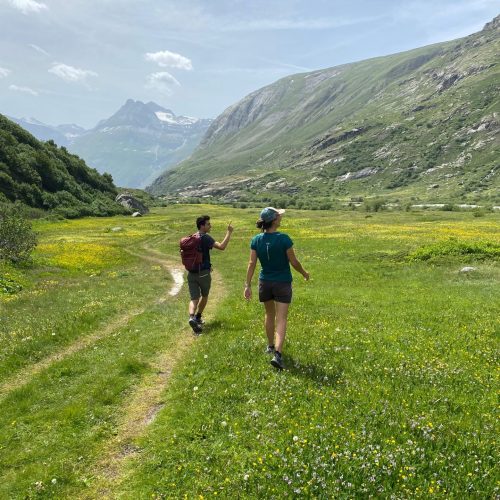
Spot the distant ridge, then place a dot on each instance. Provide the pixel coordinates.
(422, 124)
(135, 144)
(139, 141)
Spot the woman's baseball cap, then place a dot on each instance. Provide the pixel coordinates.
(270, 213)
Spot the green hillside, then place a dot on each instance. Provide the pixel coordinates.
(41, 175)
(419, 124)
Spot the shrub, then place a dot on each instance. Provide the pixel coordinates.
(453, 247)
(448, 207)
(17, 239)
(375, 205)
(9, 286)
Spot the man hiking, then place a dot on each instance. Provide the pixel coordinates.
(199, 278)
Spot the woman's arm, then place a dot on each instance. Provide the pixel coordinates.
(250, 270)
(296, 264)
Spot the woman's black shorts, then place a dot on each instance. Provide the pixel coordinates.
(279, 291)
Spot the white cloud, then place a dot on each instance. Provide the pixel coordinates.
(162, 81)
(167, 59)
(70, 73)
(26, 90)
(39, 49)
(27, 6)
(4, 72)
(323, 23)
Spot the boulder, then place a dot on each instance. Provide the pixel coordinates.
(133, 204)
(468, 269)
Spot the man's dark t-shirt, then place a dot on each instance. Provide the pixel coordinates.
(207, 243)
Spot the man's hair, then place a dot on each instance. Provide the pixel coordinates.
(201, 221)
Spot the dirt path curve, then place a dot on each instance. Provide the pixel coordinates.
(142, 408)
(23, 377)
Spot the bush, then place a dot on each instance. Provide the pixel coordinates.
(375, 205)
(17, 239)
(455, 248)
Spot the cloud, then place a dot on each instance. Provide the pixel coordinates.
(323, 23)
(70, 73)
(39, 49)
(27, 6)
(167, 59)
(162, 81)
(4, 72)
(26, 90)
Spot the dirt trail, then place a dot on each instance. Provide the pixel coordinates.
(26, 375)
(142, 408)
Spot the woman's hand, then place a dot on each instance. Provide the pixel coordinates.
(247, 293)
(306, 275)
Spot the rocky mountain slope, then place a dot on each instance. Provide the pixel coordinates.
(419, 124)
(139, 141)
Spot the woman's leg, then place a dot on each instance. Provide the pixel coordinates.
(269, 321)
(281, 320)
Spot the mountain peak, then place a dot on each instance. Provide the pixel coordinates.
(494, 24)
(145, 115)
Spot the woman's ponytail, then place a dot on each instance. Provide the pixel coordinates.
(262, 225)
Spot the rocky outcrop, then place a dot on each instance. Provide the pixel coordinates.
(133, 204)
(330, 140)
(349, 176)
(493, 25)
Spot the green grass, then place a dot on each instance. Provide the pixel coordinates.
(389, 387)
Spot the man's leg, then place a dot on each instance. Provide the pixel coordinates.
(192, 306)
(194, 292)
(269, 321)
(202, 304)
(204, 282)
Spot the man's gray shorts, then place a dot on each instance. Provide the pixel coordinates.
(199, 284)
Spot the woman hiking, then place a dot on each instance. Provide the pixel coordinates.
(275, 253)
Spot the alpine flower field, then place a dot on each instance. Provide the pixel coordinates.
(391, 380)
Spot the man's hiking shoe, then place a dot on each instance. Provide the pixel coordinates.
(199, 321)
(195, 325)
(277, 362)
(270, 349)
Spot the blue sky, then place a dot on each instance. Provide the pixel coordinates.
(77, 61)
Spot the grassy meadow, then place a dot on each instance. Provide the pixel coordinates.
(391, 357)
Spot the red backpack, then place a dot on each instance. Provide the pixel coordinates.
(191, 255)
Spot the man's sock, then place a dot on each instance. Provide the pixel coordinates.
(191, 316)
(277, 353)
(198, 315)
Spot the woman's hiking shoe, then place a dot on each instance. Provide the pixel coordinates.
(277, 362)
(270, 349)
(195, 325)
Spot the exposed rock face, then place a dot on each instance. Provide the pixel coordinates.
(366, 172)
(133, 204)
(494, 24)
(328, 141)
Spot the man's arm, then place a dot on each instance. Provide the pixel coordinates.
(223, 244)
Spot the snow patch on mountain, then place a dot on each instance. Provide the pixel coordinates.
(176, 120)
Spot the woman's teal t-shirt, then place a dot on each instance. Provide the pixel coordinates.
(271, 250)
